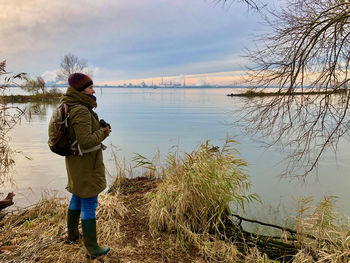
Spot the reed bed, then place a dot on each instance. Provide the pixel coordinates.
(197, 194)
(323, 235)
(195, 197)
(186, 204)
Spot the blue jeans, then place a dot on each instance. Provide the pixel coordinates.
(86, 205)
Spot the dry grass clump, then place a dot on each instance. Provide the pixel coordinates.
(53, 92)
(192, 203)
(214, 249)
(323, 235)
(122, 171)
(109, 213)
(37, 232)
(194, 198)
(40, 232)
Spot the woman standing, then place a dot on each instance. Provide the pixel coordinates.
(85, 169)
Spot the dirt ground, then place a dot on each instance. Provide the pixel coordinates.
(137, 244)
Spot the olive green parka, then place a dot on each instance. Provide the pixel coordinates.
(86, 173)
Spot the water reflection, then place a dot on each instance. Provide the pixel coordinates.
(304, 126)
(145, 120)
(39, 110)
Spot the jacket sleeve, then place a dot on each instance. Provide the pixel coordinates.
(82, 125)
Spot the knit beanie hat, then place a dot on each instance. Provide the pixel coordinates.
(79, 81)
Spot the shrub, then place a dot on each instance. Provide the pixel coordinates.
(54, 92)
(34, 86)
(198, 190)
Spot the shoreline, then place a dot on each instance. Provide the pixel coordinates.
(252, 93)
(31, 98)
(123, 220)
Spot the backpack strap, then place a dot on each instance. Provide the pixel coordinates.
(75, 144)
(68, 108)
(74, 106)
(92, 149)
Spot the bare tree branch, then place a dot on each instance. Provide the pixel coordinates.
(8, 118)
(307, 50)
(254, 4)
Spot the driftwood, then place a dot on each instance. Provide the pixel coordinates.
(8, 201)
(7, 248)
(286, 229)
(276, 247)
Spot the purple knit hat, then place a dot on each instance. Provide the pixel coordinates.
(79, 81)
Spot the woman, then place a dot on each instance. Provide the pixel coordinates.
(85, 169)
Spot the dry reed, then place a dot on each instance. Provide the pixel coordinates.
(330, 234)
(195, 196)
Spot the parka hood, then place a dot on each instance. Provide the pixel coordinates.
(73, 97)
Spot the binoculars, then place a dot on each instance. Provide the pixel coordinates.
(104, 124)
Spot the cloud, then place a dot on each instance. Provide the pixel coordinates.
(123, 39)
(201, 82)
(50, 76)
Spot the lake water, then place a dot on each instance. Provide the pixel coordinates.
(145, 120)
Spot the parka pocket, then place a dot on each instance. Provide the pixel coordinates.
(98, 159)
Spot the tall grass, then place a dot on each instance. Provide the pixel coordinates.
(194, 198)
(192, 204)
(324, 236)
(122, 171)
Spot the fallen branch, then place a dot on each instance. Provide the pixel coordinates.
(7, 248)
(275, 247)
(291, 231)
(8, 201)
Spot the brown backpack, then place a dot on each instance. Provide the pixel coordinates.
(59, 142)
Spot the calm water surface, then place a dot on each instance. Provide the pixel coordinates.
(145, 120)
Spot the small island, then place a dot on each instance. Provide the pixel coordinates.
(261, 93)
(47, 97)
(36, 89)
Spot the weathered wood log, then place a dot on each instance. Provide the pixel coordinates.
(275, 247)
(8, 201)
(7, 248)
(291, 231)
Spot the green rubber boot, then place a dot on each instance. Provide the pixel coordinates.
(90, 240)
(73, 217)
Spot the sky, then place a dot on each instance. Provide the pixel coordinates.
(199, 41)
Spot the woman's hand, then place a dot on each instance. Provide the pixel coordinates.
(106, 129)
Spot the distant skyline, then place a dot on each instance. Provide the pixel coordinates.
(219, 78)
(129, 42)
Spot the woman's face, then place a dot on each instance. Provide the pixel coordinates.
(89, 90)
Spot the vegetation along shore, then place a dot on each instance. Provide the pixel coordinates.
(47, 97)
(261, 93)
(183, 211)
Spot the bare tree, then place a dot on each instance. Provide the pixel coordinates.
(306, 56)
(72, 64)
(34, 86)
